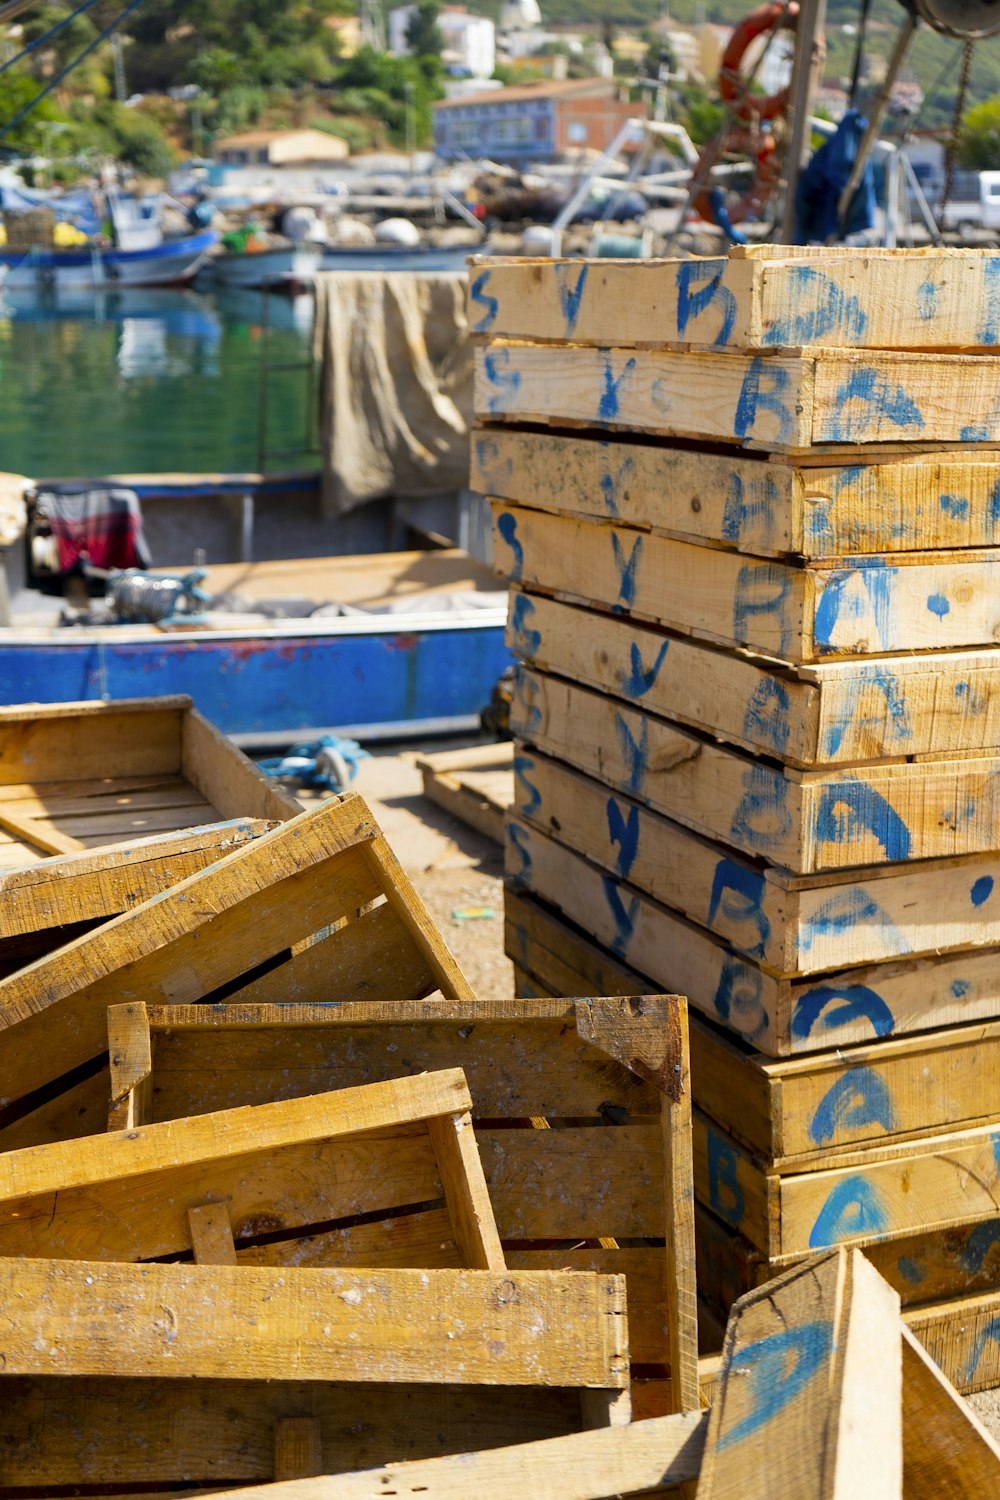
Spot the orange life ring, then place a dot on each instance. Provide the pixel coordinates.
(732, 85)
(761, 148)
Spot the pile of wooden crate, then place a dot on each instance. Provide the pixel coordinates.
(749, 512)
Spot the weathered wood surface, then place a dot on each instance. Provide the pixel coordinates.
(809, 1399)
(216, 1322)
(829, 713)
(283, 1166)
(791, 924)
(643, 1458)
(901, 299)
(779, 1016)
(811, 510)
(923, 601)
(783, 403)
(210, 930)
(946, 1449)
(474, 785)
(805, 821)
(526, 1064)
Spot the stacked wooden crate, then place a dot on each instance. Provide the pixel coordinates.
(755, 594)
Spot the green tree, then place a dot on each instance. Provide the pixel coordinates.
(423, 34)
(979, 142)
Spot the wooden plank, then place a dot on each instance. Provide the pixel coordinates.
(783, 403)
(962, 1337)
(560, 957)
(210, 929)
(826, 714)
(792, 925)
(226, 777)
(811, 510)
(213, 1322)
(126, 1195)
(473, 784)
(809, 1400)
(946, 1449)
(642, 1458)
(924, 601)
(806, 821)
(211, 1234)
(46, 838)
(298, 1448)
(465, 1189)
(42, 743)
(780, 1017)
(901, 299)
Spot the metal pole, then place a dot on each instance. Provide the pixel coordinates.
(810, 50)
(907, 29)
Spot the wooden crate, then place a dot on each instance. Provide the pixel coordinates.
(820, 714)
(761, 297)
(765, 505)
(263, 923)
(474, 784)
(915, 601)
(790, 924)
(543, 1078)
(266, 1176)
(805, 821)
(824, 400)
(74, 776)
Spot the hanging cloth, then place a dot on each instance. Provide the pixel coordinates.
(823, 181)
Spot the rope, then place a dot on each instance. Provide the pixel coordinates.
(859, 51)
(951, 160)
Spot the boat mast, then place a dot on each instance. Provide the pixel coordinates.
(810, 51)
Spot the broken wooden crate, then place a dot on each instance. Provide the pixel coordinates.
(544, 1078)
(291, 910)
(474, 784)
(74, 776)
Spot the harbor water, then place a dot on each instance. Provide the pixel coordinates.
(147, 381)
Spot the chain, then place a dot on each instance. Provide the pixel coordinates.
(951, 160)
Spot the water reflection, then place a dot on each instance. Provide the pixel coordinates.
(147, 380)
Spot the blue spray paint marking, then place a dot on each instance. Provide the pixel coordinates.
(982, 890)
(843, 478)
(848, 810)
(766, 719)
(764, 389)
(627, 570)
(507, 527)
(990, 1334)
(607, 409)
(738, 893)
(506, 383)
(635, 753)
(938, 605)
(975, 703)
(848, 594)
(478, 295)
(526, 639)
(956, 506)
(995, 1140)
(739, 999)
(515, 841)
(865, 401)
(660, 396)
(749, 508)
(495, 474)
(859, 1098)
(849, 715)
(637, 682)
(928, 299)
(818, 307)
(959, 988)
(523, 765)
(989, 322)
(724, 1191)
(762, 819)
(611, 483)
(624, 917)
(570, 297)
(623, 831)
(979, 1242)
(910, 1270)
(773, 1372)
(762, 589)
(847, 1004)
(993, 507)
(526, 690)
(855, 1208)
(847, 909)
(707, 276)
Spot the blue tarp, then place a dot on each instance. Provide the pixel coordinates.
(823, 181)
(73, 208)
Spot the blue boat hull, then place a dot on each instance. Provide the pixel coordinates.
(277, 687)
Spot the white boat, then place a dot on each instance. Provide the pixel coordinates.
(287, 267)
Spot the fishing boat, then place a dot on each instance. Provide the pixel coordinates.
(289, 267)
(426, 259)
